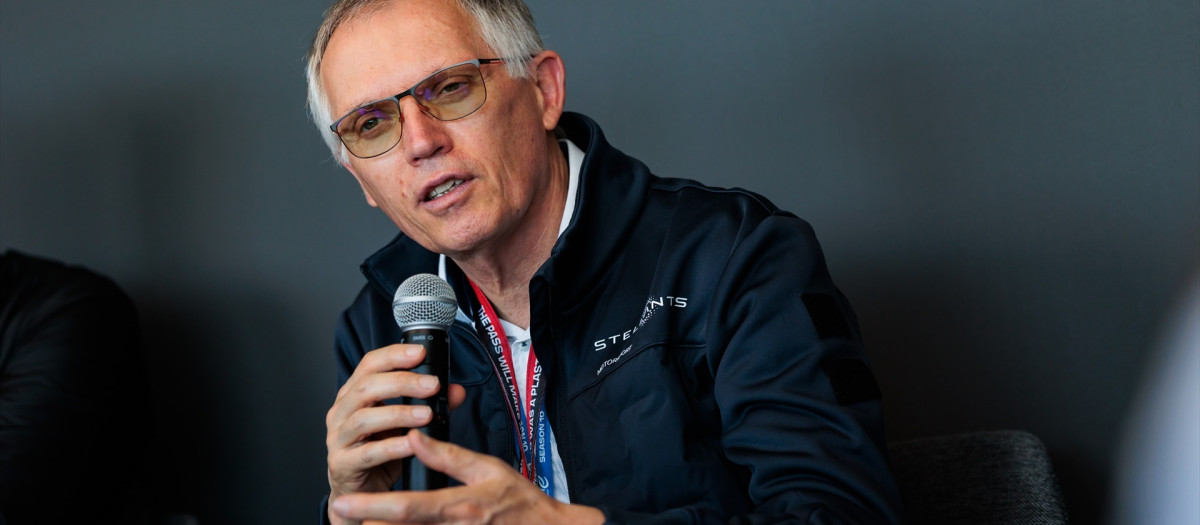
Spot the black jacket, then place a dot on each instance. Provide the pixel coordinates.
(702, 365)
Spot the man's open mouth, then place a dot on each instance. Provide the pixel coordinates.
(442, 189)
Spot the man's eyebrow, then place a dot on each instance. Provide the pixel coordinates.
(362, 104)
(430, 72)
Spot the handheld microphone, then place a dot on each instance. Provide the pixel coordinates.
(424, 307)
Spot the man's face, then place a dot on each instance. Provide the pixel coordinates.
(497, 156)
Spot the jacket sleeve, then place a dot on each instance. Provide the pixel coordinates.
(800, 410)
(348, 351)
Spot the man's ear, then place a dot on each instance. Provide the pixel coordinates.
(550, 78)
(361, 184)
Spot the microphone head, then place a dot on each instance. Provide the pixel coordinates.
(424, 301)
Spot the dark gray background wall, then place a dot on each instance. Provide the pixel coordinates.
(1007, 191)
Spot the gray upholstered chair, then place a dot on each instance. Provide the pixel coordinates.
(996, 477)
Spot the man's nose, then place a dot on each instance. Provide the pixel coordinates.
(423, 136)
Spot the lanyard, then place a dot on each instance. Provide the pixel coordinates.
(529, 420)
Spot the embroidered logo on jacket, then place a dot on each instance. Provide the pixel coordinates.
(653, 305)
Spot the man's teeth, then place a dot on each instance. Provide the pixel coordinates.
(442, 188)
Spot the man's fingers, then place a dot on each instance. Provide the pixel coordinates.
(394, 507)
(456, 394)
(369, 391)
(385, 359)
(390, 506)
(392, 357)
(452, 505)
(370, 454)
(493, 493)
(366, 423)
(457, 462)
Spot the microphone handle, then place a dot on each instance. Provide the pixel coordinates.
(437, 363)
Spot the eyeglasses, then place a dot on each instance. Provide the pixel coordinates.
(452, 93)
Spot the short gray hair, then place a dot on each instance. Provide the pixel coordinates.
(506, 26)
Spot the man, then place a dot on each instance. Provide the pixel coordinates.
(72, 394)
(686, 355)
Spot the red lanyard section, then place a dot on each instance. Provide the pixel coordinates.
(523, 416)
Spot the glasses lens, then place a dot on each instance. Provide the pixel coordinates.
(372, 129)
(452, 93)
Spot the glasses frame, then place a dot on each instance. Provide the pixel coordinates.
(409, 92)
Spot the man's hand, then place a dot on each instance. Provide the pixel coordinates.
(493, 493)
(366, 438)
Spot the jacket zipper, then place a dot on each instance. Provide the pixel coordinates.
(565, 449)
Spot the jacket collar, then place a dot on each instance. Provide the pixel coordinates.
(612, 191)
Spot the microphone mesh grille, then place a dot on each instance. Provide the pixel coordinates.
(424, 299)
